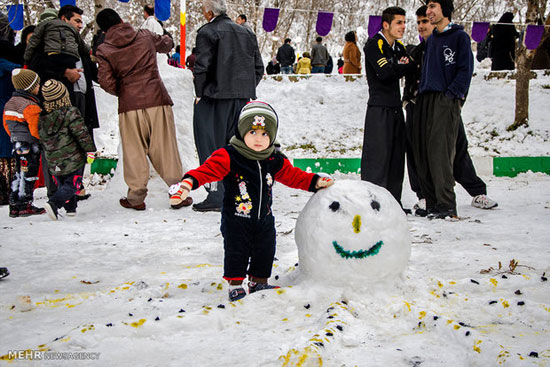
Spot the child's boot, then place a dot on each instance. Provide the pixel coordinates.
(29, 210)
(14, 211)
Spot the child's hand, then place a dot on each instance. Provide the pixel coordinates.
(180, 191)
(324, 181)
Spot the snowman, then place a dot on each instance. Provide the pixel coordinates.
(352, 233)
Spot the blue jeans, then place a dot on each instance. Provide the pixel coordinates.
(286, 70)
(318, 70)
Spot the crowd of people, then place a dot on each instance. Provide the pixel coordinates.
(49, 114)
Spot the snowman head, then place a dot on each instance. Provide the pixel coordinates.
(352, 233)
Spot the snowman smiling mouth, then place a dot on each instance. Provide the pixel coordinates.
(360, 254)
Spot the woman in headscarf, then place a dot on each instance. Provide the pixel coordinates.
(503, 45)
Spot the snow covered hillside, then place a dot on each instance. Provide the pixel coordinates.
(145, 288)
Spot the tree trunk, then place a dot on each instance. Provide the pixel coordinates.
(524, 59)
(99, 5)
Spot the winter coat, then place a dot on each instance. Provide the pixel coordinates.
(502, 49)
(304, 66)
(448, 63)
(228, 63)
(6, 90)
(384, 71)
(286, 55)
(128, 67)
(152, 25)
(319, 55)
(21, 114)
(65, 140)
(412, 80)
(248, 183)
(53, 37)
(352, 59)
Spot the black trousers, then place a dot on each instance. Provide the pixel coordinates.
(383, 157)
(214, 123)
(248, 240)
(464, 171)
(435, 128)
(67, 186)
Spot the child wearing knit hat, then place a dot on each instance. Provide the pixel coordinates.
(21, 114)
(249, 166)
(66, 141)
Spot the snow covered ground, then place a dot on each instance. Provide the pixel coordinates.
(145, 288)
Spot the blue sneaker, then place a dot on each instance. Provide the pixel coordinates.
(236, 294)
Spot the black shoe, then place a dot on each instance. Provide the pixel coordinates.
(14, 211)
(255, 287)
(207, 206)
(407, 211)
(236, 294)
(421, 212)
(442, 214)
(51, 209)
(4, 272)
(83, 197)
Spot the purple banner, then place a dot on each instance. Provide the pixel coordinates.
(479, 31)
(271, 16)
(375, 24)
(15, 16)
(533, 35)
(324, 23)
(123, 1)
(162, 10)
(67, 2)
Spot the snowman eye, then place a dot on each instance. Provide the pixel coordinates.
(334, 206)
(375, 205)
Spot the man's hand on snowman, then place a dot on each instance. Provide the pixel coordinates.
(324, 181)
(179, 192)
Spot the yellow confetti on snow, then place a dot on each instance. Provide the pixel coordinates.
(138, 323)
(494, 281)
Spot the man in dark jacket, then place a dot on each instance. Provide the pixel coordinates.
(128, 69)
(445, 80)
(228, 67)
(286, 57)
(319, 57)
(464, 171)
(386, 62)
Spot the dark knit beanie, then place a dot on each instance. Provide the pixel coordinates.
(447, 7)
(107, 18)
(55, 95)
(24, 79)
(258, 115)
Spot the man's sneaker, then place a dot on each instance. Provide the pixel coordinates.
(255, 287)
(419, 208)
(4, 272)
(31, 210)
(51, 209)
(483, 202)
(236, 294)
(207, 206)
(126, 204)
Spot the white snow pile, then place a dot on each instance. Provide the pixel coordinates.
(353, 233)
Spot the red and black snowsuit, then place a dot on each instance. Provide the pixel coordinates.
(247, 224)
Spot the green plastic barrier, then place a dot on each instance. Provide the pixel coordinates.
(511, 166)
(103, 166)
(329, 165)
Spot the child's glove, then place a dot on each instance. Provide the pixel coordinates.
(324, 181)
(90, 157)
(179, 192)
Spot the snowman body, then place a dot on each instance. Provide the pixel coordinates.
(352, 233)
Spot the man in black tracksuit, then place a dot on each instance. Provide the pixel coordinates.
(228, 67)
(445, 79)
(463, 168)
(383, 157)
(286, 57)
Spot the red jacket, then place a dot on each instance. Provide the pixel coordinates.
(248, 183)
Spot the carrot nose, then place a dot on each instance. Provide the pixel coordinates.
(356, 224)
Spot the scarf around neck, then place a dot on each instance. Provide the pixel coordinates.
(248, 153)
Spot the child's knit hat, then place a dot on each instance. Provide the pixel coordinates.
(55, 95)
(24, 79)
(47, 14)
(258, 115)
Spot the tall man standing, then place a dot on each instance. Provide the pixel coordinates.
(463, 169)
(386, 61)
(319, 57)
(128, 69)
(228, 67)
(445, 79)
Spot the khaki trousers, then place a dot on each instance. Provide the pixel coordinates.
(149, 133)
